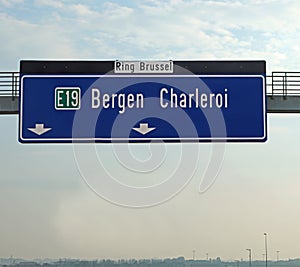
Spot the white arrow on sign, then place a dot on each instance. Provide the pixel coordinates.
(39, 129)
(144, 129)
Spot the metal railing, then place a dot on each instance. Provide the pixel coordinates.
(283, 84)
(9, 84)
(278, 84)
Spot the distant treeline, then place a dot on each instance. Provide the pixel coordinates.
(176, 262)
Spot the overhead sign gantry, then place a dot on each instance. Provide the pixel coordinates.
(142, 101)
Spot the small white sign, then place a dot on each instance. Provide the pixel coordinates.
(148, 67)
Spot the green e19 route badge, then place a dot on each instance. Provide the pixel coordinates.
(67, 98)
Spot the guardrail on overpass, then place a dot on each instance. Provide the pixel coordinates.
(283, 92)
(9, 92)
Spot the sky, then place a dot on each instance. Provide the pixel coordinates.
(47, 208)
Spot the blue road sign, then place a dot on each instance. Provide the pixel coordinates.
(142, 108)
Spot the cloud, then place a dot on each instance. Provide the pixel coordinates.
(10, 3)
(116, 11)
(25, 40)
(50, 3)
(157, 30)
(81, 10)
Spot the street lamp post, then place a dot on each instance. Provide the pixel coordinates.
(266, 249)
(249, 249)
(277, 255)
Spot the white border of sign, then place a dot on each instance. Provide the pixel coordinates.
(125, 140)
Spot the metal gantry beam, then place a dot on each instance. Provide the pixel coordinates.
(283, 92)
